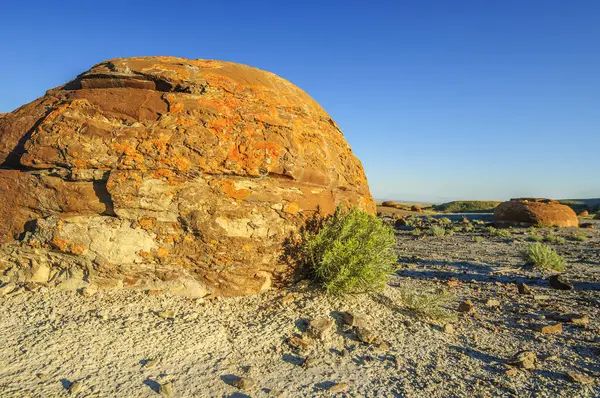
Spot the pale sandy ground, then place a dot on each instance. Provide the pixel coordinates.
(52, 338)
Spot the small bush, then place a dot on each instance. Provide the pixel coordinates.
(580, 237)
(436, 230)
(352, 252)
(478, 239)
(559, 240)
(417, 232)
(544, 257)
(534, 236)
(445, 221)
(426, 304)
(503, 233)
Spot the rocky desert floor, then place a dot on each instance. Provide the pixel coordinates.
(134, 344)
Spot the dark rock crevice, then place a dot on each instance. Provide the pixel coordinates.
(13, 159)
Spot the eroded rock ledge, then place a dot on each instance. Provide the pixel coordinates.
(167, 173)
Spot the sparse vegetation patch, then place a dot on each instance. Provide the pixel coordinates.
(437, 230)
(559, 240)
(579, 236)
(534, 236)
(426, 304)
(544, 257)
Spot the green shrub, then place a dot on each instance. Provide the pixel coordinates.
(503, 233)
(352, 252)
(417, 232)
(534, 236)
(445, 221)
(426, 304)
(478, 239)
(580, 237)
(544, 257)
(436, 230)
(559, 240)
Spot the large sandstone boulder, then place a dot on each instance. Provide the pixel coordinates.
(533, 211)
(167, 173)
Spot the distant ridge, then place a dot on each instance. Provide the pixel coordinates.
(591, 205)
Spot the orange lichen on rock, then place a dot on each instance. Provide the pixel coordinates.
(228, 188)
(162, 252)
(291, 208)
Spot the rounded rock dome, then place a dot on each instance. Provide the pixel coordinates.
(168, 173)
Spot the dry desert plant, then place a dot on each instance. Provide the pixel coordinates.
(352, 252)
(544, 257)
(426, 304)
(436, 230)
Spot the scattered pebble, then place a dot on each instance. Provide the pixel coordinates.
(166, 314)
(299, 343)
(523, 288)
(339, 387)
(320, 327)
(7, 288)
(75, 387)
(89, 290)
(245, 383)
(549, 329)
(466, 306)
(524, 359)
(365, 335)
(448, 328)
(512, 372)
(560, 282)
(579, 378)
(355, 320)
(582, 320)
(492, 303)
(453, 282)
(166, 389)
(288, 298)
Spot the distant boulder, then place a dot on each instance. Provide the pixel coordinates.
(584, 213)
(400, 222)
(391, 203)
(534, 211)
(416, 208)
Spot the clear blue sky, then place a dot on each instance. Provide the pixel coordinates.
(439, 99)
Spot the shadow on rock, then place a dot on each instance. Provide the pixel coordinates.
(153, 384)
